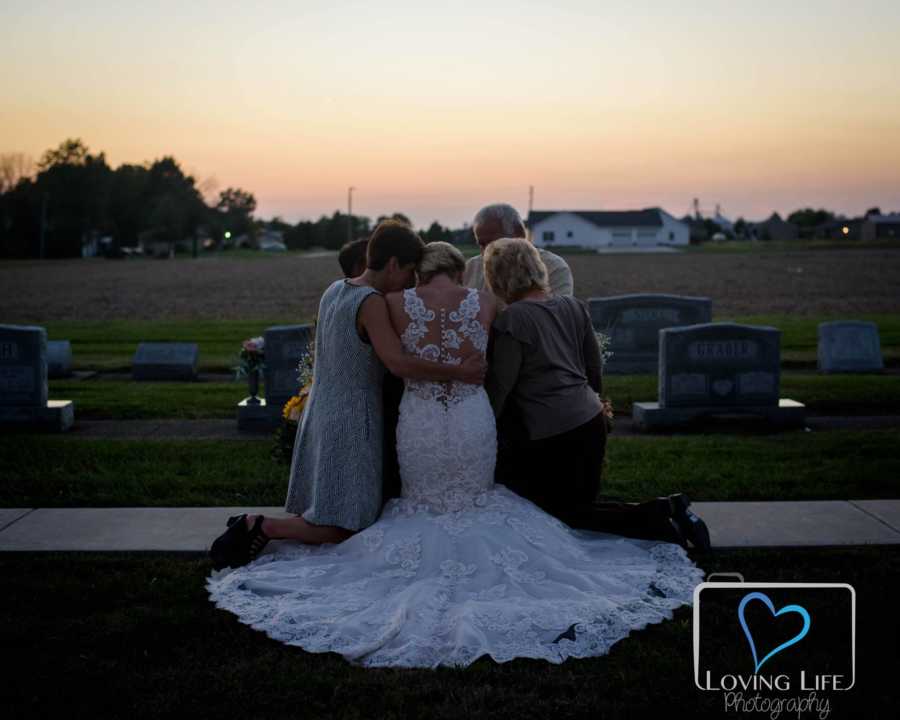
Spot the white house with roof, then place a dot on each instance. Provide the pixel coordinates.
(607, 228)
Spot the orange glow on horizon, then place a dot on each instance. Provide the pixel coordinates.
(436, 112)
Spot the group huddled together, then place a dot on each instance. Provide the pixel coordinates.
(454, 430)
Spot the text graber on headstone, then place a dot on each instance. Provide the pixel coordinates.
(719, 364)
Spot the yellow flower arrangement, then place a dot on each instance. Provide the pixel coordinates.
(294, 407)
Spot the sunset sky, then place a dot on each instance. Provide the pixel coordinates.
(434, 109)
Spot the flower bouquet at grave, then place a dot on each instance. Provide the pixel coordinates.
(604, 340)
(252, 357)
(292, 411)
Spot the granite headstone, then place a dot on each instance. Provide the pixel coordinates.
(165, 361)
(23, 382)
(633, 323)
(719, 369)
(285, 346)
(59, 358)
(849, 346)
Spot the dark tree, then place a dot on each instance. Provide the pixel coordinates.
(236, 209)
(72, 186)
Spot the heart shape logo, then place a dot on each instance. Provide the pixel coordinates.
(722, 387)
(786, 609)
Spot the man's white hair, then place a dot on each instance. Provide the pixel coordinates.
(510, 221)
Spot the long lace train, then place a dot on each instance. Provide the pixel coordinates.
(421, 588)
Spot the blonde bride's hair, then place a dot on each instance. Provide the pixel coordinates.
(440, 257)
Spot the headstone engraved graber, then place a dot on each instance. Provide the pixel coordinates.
(717, 369)
(59, 358)
(165, 361)
(849, 346)
(633, 323)
(285, 346)
(24, 390)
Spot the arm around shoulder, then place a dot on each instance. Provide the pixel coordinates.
(375, 319)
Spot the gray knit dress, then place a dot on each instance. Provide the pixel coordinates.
(336, 466)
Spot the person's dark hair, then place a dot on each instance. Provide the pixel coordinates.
(392, 238)
(352, 257)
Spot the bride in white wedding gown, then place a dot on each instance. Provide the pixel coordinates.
(458, 567)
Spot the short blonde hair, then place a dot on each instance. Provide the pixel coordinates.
(513, 268)
(440, 257)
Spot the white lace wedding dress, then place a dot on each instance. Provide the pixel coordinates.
(458, 567)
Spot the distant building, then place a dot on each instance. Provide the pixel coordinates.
(601, 228)
(271, 240)
(725, 225)
(774, 228)
(697, 226)
(839, 229)
(881, 227)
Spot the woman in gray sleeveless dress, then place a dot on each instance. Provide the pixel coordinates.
(340, 433)
(336, 469)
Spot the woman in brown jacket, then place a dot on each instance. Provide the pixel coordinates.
(545, 362)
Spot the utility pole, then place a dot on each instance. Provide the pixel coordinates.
(530, 208)
(44, 222)
(350, 213)
(696, 208)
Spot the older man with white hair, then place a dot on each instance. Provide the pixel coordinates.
(500, 220)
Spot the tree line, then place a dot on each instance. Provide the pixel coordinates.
(71, 195)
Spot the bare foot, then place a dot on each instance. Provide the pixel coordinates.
(266, 525)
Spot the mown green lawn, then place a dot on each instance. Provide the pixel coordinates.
(82, 472)
(799, 338)
(126, 399)
(110, 345)
(822, 394)
(130, 400)
(772, 246)
(135, 635)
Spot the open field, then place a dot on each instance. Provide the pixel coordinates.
(835, 282)
(135, 635)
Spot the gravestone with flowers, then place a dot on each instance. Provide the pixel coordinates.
(283, 349)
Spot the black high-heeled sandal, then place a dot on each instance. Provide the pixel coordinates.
(690, 524)
(238, 545)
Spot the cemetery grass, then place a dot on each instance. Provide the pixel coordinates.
(110, 345)
(135, 635)
(133, 400)
(773, 246)
(833, 394)
(116, 399)
(42, 471)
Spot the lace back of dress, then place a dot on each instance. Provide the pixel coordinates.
(441, 336)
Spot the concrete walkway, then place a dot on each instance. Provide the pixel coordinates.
(227, 429)
(192, 529)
